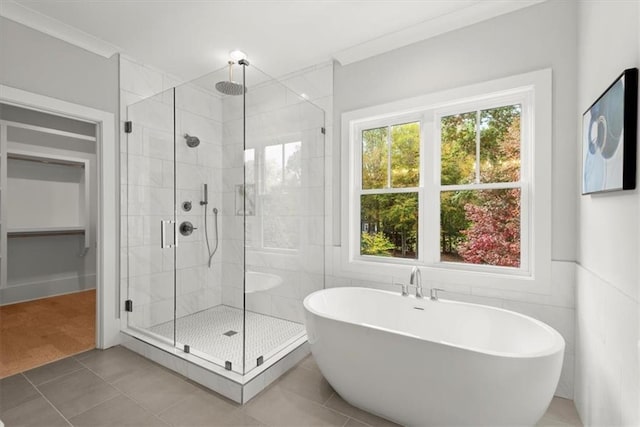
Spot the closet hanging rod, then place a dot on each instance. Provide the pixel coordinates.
(49, 130)
(46, 160)
(12, 234)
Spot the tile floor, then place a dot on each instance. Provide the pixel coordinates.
(117, 387)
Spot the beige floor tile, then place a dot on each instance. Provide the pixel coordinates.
(202, 408)
(36, 412)
(155, 389)
(86, 354)
(119, 411)
(309, 363)
(338, 404)
(548, 421)
(355, 423)
(278, 407)
(77, 392)
(306, 383)
(116, 363)
(52, 370)
(241, 418)
(15, 390)
(564, 410)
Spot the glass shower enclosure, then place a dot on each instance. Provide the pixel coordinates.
(224, 217)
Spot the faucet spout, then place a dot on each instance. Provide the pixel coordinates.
(416, 280)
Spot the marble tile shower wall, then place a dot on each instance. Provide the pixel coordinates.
(147, 178)
(285, 213)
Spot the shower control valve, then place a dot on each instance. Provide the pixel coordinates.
(186, 228)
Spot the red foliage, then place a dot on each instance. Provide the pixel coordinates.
(494, 235)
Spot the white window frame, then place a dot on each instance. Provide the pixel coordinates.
(533, 92)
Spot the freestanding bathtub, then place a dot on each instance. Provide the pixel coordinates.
(433, 363)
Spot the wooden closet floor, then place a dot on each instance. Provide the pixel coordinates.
(34, 333)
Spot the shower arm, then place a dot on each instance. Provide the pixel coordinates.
(231, 70)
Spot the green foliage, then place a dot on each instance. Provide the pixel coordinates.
(405, 155)
(375, 244)
(374, 158)
(396, 215)
(458, 148)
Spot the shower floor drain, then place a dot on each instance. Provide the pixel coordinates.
(230, 333)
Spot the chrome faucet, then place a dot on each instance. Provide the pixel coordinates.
(433, 294)
(416, 280)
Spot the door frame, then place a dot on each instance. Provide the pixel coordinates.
(107, 151)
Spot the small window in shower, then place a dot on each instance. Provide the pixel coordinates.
(280, 169)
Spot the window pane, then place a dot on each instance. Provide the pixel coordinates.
(249, 166)
(480, 227)
(389, 225)
(375, 158)
(405, 155)
(281, 220)
(458, 148)
(272, 167)
(293, 164)
(500, 144)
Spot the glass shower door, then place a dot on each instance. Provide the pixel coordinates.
(150, 222)
(209, 230)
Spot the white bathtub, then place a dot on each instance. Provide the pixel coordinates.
(433, 363)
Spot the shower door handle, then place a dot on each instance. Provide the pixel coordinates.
(163, 234)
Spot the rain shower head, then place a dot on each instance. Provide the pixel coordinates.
(229, 87)
(192, 141)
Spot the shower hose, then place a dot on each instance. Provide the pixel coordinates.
(206, 233)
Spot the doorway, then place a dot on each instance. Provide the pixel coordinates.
(58, 229)
(48, 211)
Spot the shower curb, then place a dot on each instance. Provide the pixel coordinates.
(231, 385)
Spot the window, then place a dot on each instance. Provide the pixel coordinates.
(445, 181)
(389, 192)
(480, 186)
(278, 168)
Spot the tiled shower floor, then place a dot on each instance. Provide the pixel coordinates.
(205, 331)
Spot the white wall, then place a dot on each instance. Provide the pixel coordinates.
(607, 387)
(36, 62)
(534, 38)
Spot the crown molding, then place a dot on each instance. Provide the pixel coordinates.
(23, 15)
(480, 11)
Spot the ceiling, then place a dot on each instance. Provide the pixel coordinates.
(190, 38)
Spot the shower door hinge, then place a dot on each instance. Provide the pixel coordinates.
(128, 305)
(187, 349)
(128, 127)
(323, 130)
(260, 360)
(227, 365)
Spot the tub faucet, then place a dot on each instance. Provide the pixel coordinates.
(434, 293)
(416, 280)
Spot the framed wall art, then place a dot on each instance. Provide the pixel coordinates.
(609, 133)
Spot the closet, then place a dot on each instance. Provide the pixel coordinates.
(48, 204)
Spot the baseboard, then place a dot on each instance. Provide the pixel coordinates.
(32, 291)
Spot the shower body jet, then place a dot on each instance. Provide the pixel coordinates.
(192, 141)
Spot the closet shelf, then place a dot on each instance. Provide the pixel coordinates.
(45, 231)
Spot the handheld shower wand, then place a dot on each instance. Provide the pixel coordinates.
(204, 203)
